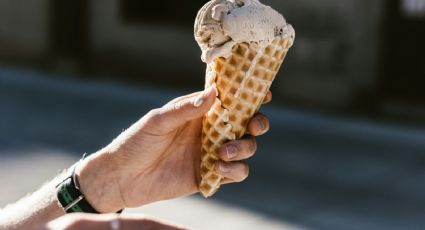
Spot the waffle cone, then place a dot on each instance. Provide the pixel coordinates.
(242, 80)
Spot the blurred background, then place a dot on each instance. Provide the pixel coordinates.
(347, 145)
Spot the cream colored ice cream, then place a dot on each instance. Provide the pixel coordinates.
(244, 44)
(221, 24)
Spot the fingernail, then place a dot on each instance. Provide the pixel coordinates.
(198, 101)
(231, 151)
(201, 98)
(260, 122)
(225, 168)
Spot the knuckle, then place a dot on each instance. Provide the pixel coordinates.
(155, 116)
(154, 113)
(178, 105)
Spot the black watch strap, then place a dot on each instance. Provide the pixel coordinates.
(69, 194)
(71, 198)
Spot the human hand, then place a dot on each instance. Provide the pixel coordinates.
(107, 222)
(159, 156)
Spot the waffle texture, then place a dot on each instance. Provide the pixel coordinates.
(242, 80)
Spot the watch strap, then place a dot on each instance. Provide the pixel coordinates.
(69, 195)
(71, 198)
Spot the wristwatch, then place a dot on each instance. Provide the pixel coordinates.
(69, 194)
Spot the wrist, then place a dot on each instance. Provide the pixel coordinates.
(97, 183)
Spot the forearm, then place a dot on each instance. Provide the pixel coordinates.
(33, 211)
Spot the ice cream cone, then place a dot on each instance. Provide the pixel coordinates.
(244, 44)
(242, 80)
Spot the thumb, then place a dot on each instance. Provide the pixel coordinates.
(184, 109)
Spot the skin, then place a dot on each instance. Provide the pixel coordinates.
(103, 222)
(157, 158)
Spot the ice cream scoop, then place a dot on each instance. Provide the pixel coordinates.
(221, 24)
